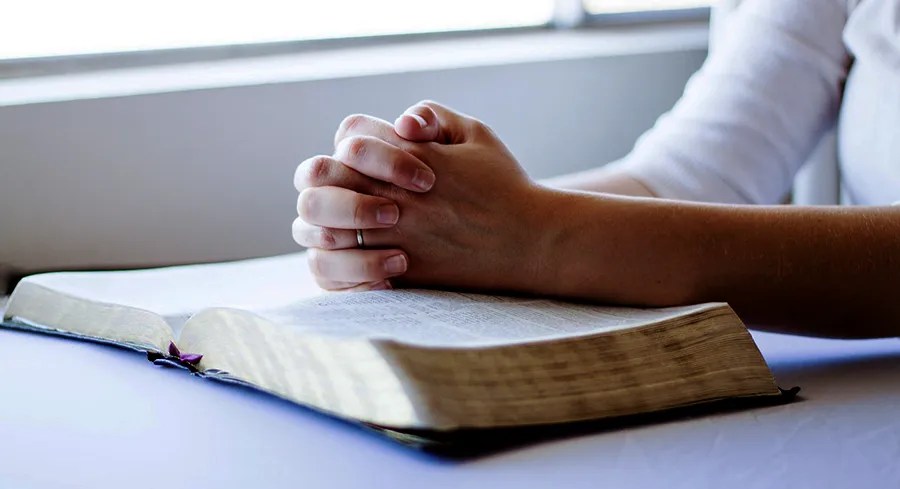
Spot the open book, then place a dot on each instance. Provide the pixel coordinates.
(404, 359)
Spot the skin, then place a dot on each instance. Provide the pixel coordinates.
(443, 203)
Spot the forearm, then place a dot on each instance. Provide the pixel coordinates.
(606, 179)
(821, 271)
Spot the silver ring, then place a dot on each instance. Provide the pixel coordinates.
(359, 239)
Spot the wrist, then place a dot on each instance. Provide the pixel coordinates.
(609, 248)
(548, 219)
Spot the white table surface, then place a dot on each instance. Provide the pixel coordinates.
(75, 414)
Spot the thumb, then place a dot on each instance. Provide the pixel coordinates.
(432, 122)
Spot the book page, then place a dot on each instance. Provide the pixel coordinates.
(176, 293)
(451, 318)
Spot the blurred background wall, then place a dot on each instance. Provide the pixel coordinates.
(204, 175)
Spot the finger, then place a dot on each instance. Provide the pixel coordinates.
(383, 161)
(452, 127)
(370, 286)
(419, 123)
(341, 208)
(366, 125)
(325, 171)
(311, 236)
(338, 286)
(357, 265)
(335, 285)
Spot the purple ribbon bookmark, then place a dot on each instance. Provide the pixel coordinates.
(190, 358)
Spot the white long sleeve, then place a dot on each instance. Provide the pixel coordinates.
(753, 113)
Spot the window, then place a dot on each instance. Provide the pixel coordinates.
(50, 28)
(103, 26)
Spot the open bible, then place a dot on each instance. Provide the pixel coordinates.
(405, 359)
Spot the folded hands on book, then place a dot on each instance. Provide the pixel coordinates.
(437, 200)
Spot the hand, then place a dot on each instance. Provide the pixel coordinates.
(474, 228)
(367, 154)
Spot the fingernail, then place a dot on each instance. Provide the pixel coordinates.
(423, 180)
(395, 264)
(419, 120)
(387, 214)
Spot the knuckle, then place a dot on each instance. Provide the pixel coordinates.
(356, 147)
(479, 128)
(350, 123)
(319, 170)
(327, 240)
(313, 172)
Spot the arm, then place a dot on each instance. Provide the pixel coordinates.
(824, 271)
(611, 179)
(749, 118)
(485, 225)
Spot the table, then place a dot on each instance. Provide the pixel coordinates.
(75, 414)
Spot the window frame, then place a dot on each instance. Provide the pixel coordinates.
(569, 15)
(649, 16)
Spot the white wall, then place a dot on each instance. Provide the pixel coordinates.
(207, 175)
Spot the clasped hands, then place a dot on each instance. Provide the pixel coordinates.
(440, 200)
